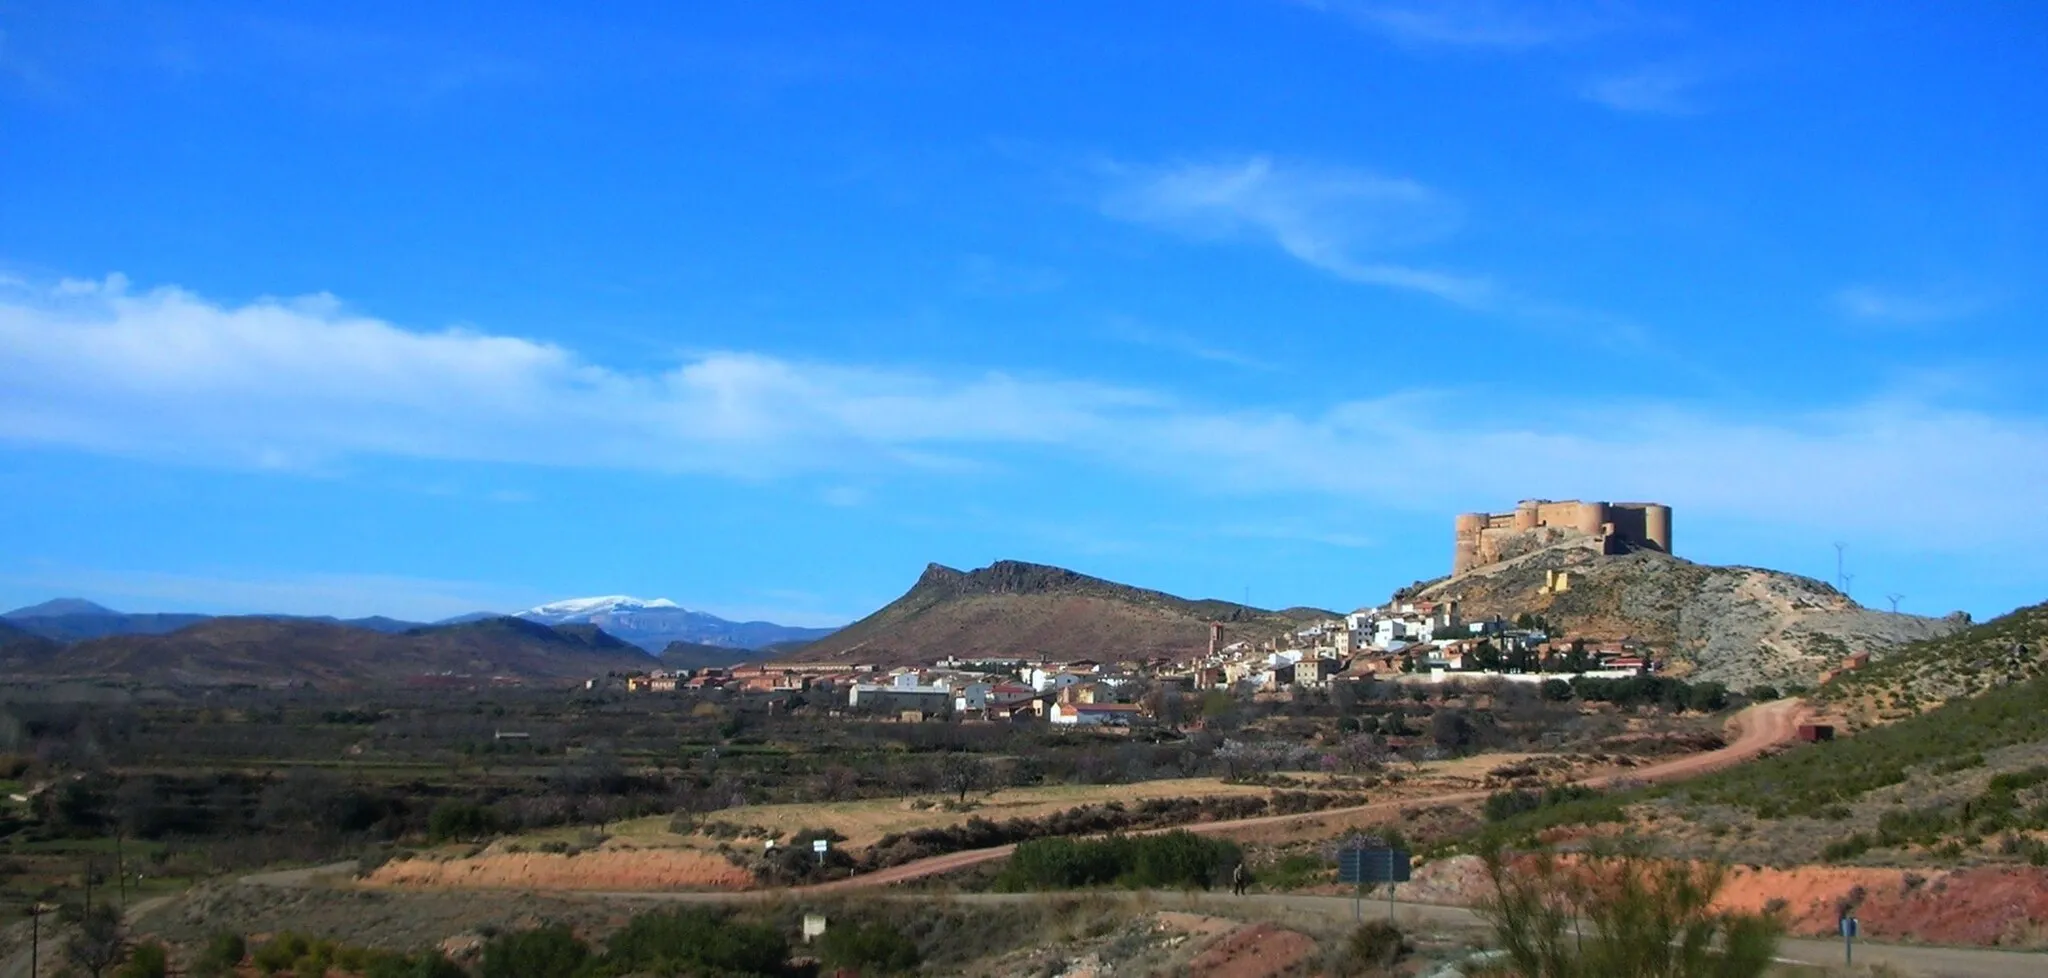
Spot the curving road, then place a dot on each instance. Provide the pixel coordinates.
(1757, 729)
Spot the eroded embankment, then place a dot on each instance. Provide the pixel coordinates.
(1991, 906)
(605, 870)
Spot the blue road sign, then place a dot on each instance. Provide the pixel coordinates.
(1377, 865)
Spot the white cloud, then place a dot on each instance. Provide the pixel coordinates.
(294, 384)
(1332, 218)
(167, 374)
(1655, 90)
(1884, 306)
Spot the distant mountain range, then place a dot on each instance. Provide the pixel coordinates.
(650, 625)
(1012, 609)
(654, 624)
(276, 651)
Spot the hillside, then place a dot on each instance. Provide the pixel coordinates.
(76, 619)
(268, 651)
(695, 655)
(1737, 625)
(2009, 649)
(1014, 609)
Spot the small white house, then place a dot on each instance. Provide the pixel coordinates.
(1093, 714)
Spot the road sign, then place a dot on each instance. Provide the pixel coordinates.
(1848, 927)
(1848, 940)
(819, 846)
(1377, 865)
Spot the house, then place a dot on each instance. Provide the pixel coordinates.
(1093, 714)
(929, 700)
(984, 696)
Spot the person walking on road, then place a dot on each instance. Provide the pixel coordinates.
(1240, 878)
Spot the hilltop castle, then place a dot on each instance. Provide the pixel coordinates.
(1485, 538)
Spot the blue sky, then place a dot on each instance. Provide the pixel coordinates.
(422, 308)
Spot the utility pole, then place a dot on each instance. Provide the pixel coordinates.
(35, 939)
(1894, 599)
(1841, 578)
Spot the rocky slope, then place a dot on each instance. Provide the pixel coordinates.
(1737, 625)
(1011, 609)
(2012, 648)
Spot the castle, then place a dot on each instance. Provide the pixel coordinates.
(1485, 538)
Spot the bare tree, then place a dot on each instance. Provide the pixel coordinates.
(98, 943)
(963, 773)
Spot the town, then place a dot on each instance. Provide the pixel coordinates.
(1403, 641)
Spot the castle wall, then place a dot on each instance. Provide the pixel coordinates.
(1485, 538)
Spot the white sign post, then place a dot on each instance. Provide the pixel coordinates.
(819, 846)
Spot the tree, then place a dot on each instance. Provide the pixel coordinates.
(1621, 914)
(1557, 690)
(1451, 729)
(97, 945)
(963, 773)
(1486, 657)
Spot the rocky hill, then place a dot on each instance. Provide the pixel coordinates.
(1012, 609)
(1738, 625)
(268, 651)
(2010, 649)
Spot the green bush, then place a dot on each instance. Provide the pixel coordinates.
(875, 947)
(223, 951)
(1169, 859)
(1504, 805)
(453, 821)
(548, 952)
(692, 941)
(281, 952)
(147, 960)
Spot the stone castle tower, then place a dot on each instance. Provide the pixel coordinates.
(1485, 538)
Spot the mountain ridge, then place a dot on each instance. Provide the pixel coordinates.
(261, 650)
(1017, 609)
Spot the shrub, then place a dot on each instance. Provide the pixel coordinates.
(1641, 918)
(456, 821)
(147, 960)
(280, 952)
(1170, 859)
(1376, 945)
(694, 940)
(868, 947)
(549, 952)
(1504, 805)
(224, 951)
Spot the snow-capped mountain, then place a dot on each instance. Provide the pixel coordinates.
(580, 609)
(653, 624)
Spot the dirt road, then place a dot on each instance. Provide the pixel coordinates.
(1756, 729)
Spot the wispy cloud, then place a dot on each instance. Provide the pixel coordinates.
(1871, 304)
(170, 375)
(1128, 330)
(1479, 24)
(1333, 218)
(1652, 90)
(296, 383)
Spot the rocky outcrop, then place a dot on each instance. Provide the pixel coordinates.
(1737, 625)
